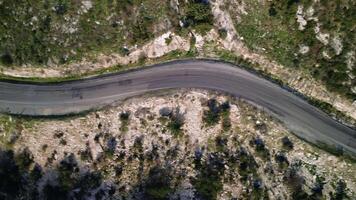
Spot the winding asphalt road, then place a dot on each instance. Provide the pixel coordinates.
(75, 96)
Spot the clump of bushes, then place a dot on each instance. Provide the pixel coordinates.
(65, 181)
(176, 120)
(86, 154)
(212, 116)
(141, 29)
(296, 181)
(287, 143)
(158, 184)
(110, 145)
(125, 119)
(24, 158)
(258, 191)
(318, 187)
(222, 33)
(217, 112)
(221, 143)
(340, 191)
(199, 16)
(258, 143)
(176, 123)
(281, 159)
(260, 147)
(208, 181)
(6, 59)
(246, 163)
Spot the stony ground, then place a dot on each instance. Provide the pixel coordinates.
(185, 144)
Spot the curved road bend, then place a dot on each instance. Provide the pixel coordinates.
(75, 96)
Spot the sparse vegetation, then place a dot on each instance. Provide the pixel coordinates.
(64, 181)
(272, 29)
(148, 162)
(59, 32)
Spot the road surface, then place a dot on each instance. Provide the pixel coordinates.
(63, 98)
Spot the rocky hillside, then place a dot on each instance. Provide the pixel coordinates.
(317, 37)
(174, 145)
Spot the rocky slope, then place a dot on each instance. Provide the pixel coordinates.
(186, 144)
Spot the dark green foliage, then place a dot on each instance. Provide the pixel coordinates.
(198, 154)
(24, 158)
(175, 126)
(66, 181)
(124, 116)
(140, 29)
(176, 120)
(217, 112)
(111, 145)
(125, 119)
(318, 187)
(272, 10)
(59, 31)
(36, 172)
(300, 194)
(54, 192)
(6, 59)
(86, 181)
(124, 51)
(208, 181)
(340, 191)
(61, 7)
(198, 15)
(260, 145)
(295, 180)
(10, 176)
(221, 143)
(86, 154)
(157, 185)
(247, 164)
(63, 142)
(212, 115)
(287, 143)
(222, 33)
(281, 159)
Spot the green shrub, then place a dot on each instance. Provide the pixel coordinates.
(199, 16)
(125, 119)
(208, 182)
(217, 112)
(222, 33)
(157, 185)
